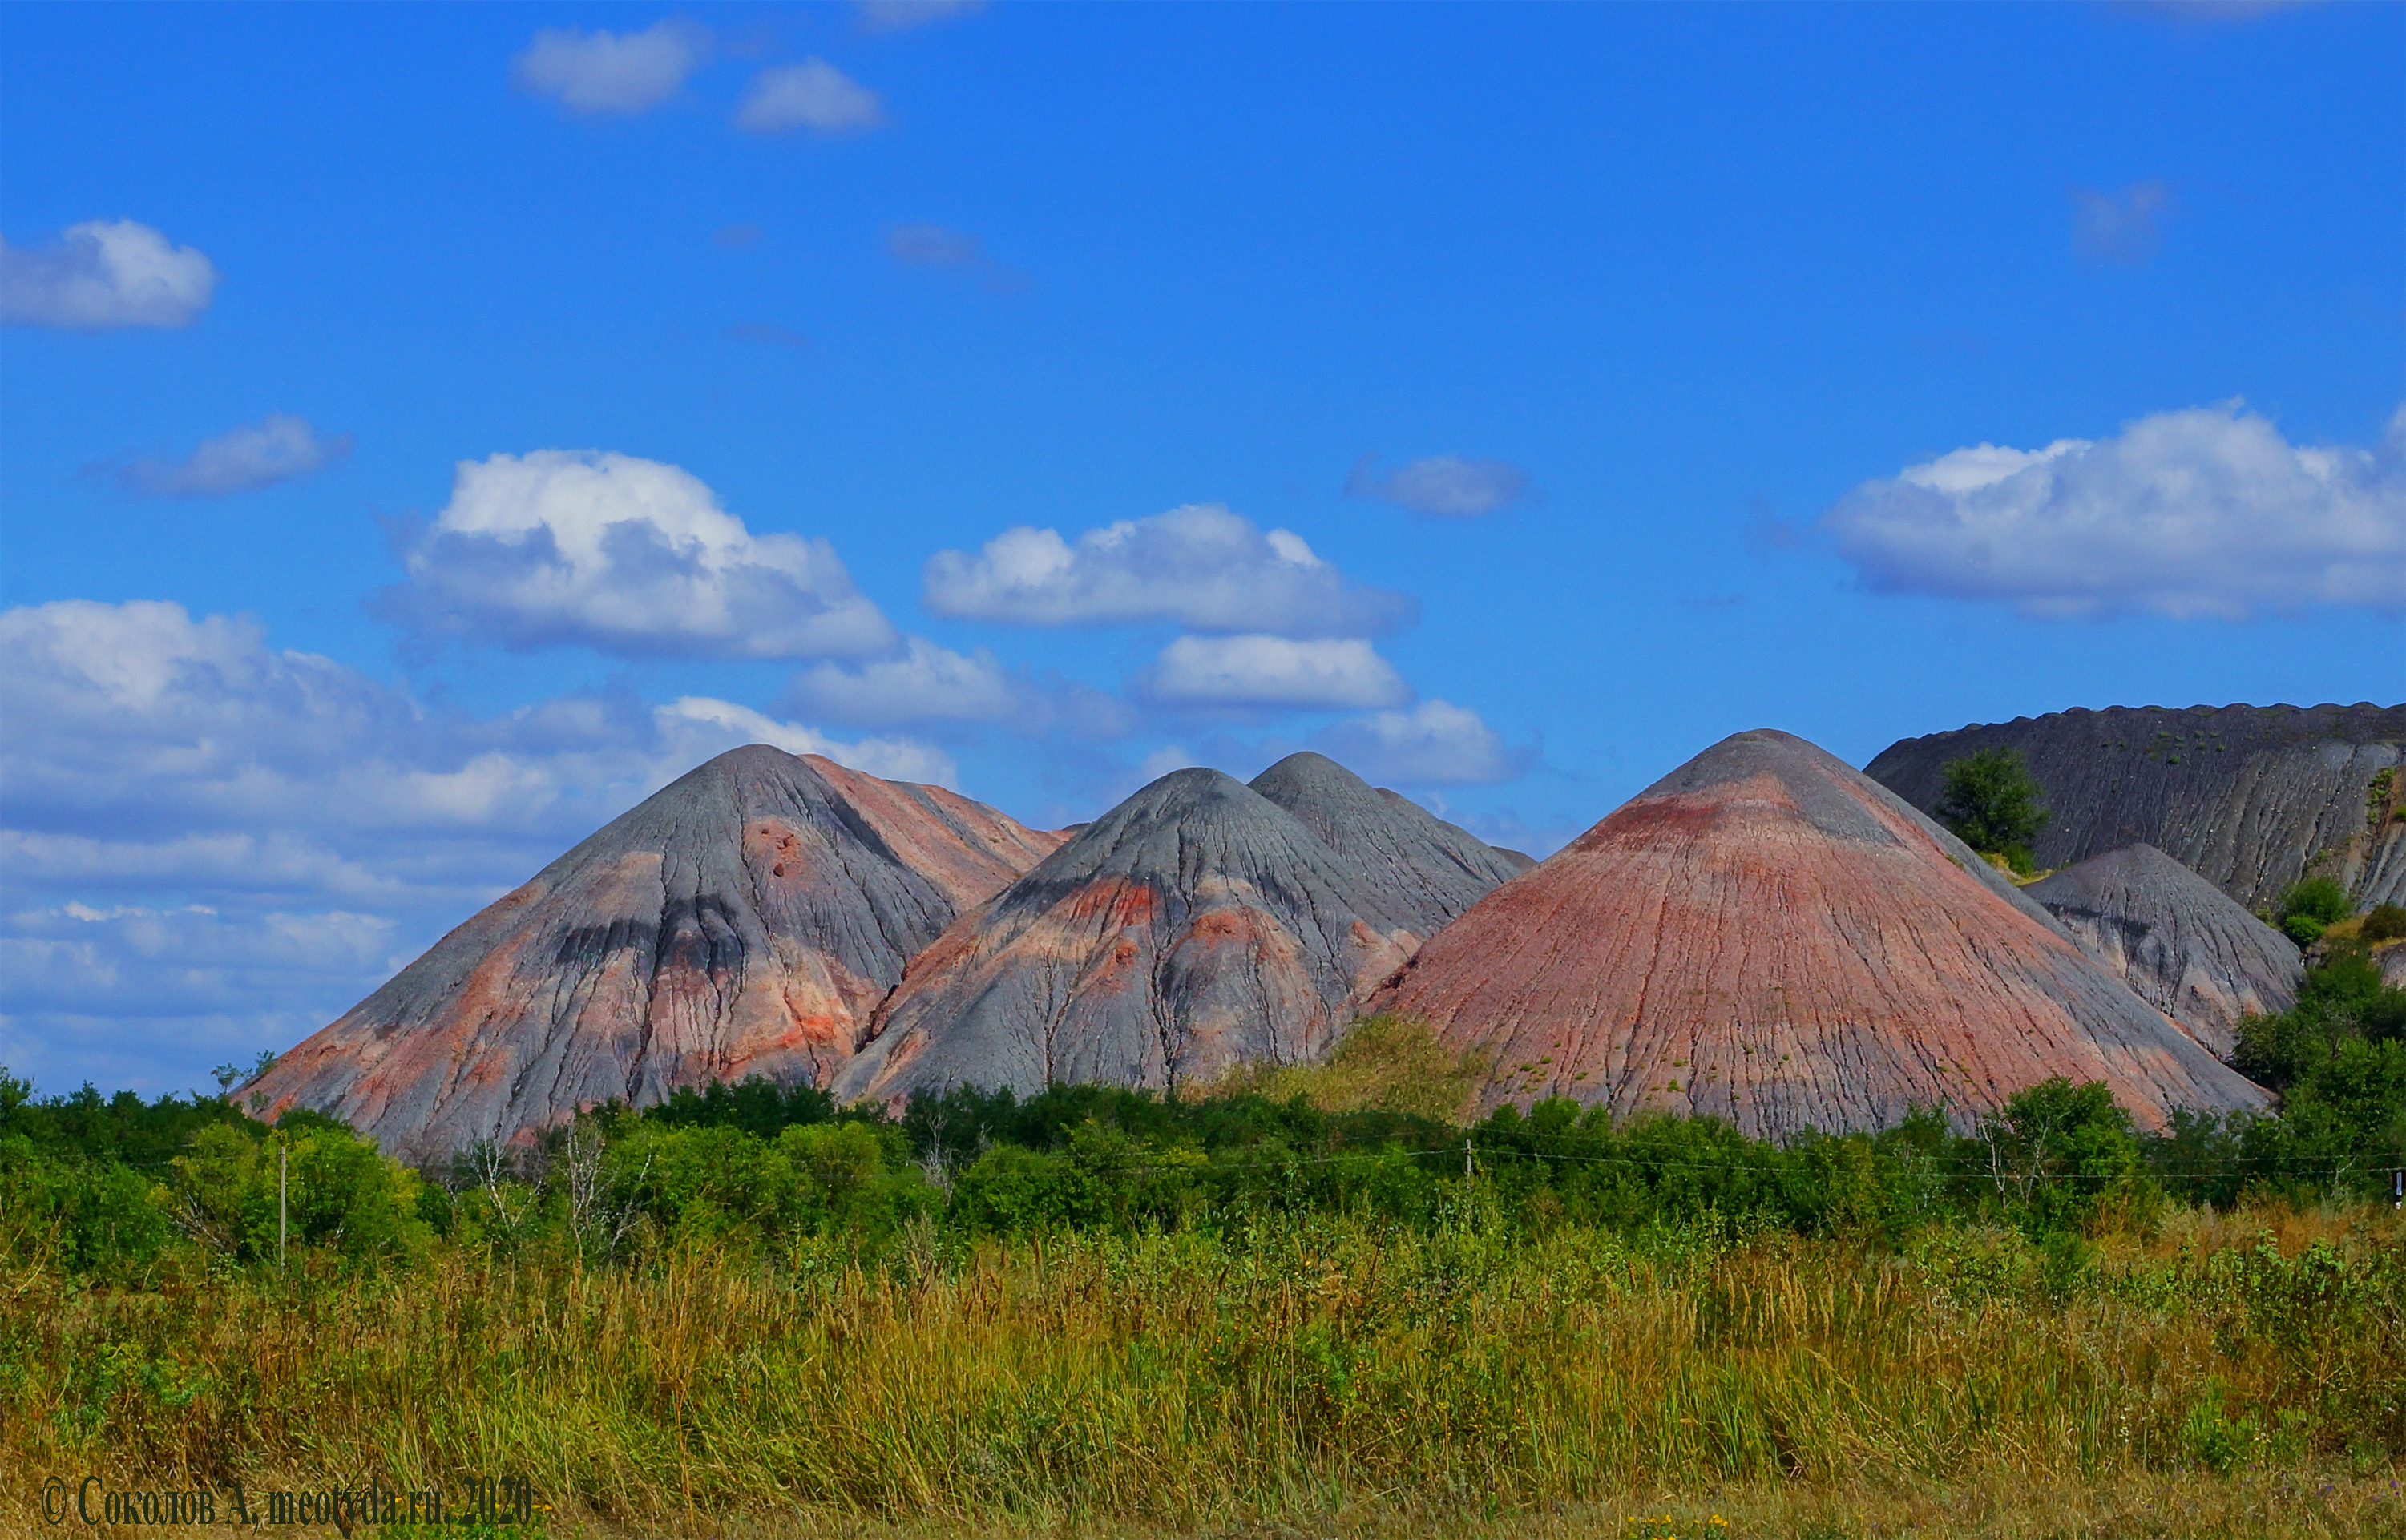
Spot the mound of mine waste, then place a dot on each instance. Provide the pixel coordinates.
(2250, 797)
(1767, 936)
(1201, 924)
(2176, 939)
(745, 920)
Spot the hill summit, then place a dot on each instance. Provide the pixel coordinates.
(1201, 924)
(1768, 936)
(745, 918)
(2180, 942)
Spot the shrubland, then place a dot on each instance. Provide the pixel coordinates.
(1307, 1297)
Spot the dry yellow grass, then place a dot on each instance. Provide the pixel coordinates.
(2234, 1375)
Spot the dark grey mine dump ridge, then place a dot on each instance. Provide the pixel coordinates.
(2250, 797)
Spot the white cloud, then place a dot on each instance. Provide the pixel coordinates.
(1435, 744)
(1447, 484)
(190, 810)
(902, 15)
(812, 94)
(583, 548)
(1240, 672)
(276, 448)
(2119, 227)
(1199, 566)
(2207, 512)
(925, 683)
(612, 71)
(1161, 762)
(706, 720)
(104, 273)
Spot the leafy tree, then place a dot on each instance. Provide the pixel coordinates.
(2310, 906)
(2384, 923)
(1992, 804)
(2063, 1156)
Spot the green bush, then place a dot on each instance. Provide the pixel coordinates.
(2385, 923)
(2310, 906)
(1991, 803)
(338, 1192)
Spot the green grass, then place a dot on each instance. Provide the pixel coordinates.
(2233, 1373)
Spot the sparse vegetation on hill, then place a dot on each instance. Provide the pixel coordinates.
(2310, 906)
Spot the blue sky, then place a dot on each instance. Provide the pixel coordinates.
(424, 431)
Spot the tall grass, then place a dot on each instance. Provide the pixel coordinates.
(1180, 1379)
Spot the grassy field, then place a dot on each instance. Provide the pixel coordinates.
(2235, 1374)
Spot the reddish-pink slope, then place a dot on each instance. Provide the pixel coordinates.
(746, 920)
(1769, 937)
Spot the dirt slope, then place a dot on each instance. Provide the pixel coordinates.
(2178, 941)
(745, 919)
(1768, 936)
(1199, 924)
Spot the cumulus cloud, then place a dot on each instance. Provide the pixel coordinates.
(626, 556)
(930, 686)
(2207, 512)
(612, 72)
(104, 274)
(1272, 671)
(1435, 744)
(812, 94)
(903, 15)
(213, 846)
(275, 448)
(925, 683)
(1199, 566)
(2119, 227)
(1447, 484)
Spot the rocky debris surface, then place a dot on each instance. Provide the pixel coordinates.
(2251, 797)
(1200, 923)
(2178, 941)
(745, 920)
(1768, 936)
(1425, 870)
(2392, 959)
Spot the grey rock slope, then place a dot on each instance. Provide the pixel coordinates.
(2182, 944)
(745, 920)
(2251, 797)
(1425, 870)
(1198, 925)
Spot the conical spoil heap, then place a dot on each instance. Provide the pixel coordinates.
(744, 920)
(2178, 941)
(1767, 936)
(1200, 923)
